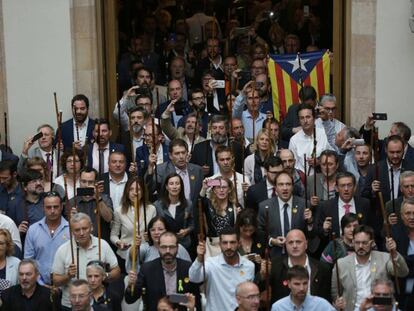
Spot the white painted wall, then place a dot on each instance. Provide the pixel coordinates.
(38, 56)
(394, 63)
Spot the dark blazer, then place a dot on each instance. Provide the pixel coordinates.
(13, 300)
(255, 194)
(142, 153)
(112, 148)
(67, 132)
(290, 121)
(202, 155)
(320, 278)
(384, 179)
(275, 229)
(330, 209)
(151, 277)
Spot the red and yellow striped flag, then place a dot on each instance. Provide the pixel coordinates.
(286, 72)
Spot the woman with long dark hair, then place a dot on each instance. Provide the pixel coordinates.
(176, 209)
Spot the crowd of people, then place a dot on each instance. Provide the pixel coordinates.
(205, 201)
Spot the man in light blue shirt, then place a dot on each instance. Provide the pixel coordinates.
(299, 299)
(45, 236)
(223, 272)
(252, 118)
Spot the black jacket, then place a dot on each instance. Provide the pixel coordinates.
(151, 277)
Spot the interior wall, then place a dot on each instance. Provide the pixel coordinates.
(38, 61)
(395, 63)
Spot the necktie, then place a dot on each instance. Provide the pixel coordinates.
(286, 225)
(101, 161)
(347, 208)
(48, 161)
(186, 183)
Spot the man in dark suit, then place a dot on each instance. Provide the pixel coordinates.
(403, 236)
(407, 190)
(265, 189)
(285, 212)
(99, 151)
(152, 276)
(320, 273)
(203, 153)
(182, 108)
(395, 160)
(79, 128)
(331, 211)
(145, 154)
(290, 124)
(212, 62)
(273, 126)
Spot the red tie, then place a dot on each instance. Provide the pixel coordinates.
(347, 208)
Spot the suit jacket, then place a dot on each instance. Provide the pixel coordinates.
(330, 209)
(39, 301)
(275, 228)
(142, 153)
(348, 279)
(397, 204)
(320, 278)
(202, 155)
(256, 194)
(151, 277)
(384, 179)
(112, 148)
(196, 182)
(290, 121)
(67, 132)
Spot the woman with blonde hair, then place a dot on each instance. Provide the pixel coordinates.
(123, 223)
(263, 147)
(9, 265)
(220, 211)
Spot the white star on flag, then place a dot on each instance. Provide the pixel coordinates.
(296, 62)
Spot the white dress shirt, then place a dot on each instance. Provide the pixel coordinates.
(301, 144)
(116, 189)
(396, 173)
(341, 209)
(83, 128)
(95, 156)
(269, 188)
(363, 281)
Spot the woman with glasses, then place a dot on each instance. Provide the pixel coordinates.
(176, 209)
(71, 166)
(220, 211)
(103, 297)
(122, 232)
(9, 264)
(263, 148)
(149, 252)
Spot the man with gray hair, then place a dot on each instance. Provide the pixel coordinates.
(381, 297)
(247, 296)
(84, 248)
(327, 120)
(28, 294)
(407, 189)
(80, 295)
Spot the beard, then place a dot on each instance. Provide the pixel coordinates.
(136, 128)
(218, 139)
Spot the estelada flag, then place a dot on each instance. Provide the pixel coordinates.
(286, 73)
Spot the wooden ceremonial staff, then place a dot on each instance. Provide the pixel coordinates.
(69, 217)
(267, 259)
(143, 199)
(195, 130)
(392, 189)
(135, 254)
(59, 142)
(74, 175)
(77, 260)
(244, 177)
(154, 145)
(202, 233)
(98, 220)
(98, 141)
(6, 134)
(387, 229)
(327, 178)
(305, 181)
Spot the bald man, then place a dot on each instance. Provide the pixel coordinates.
(320, 273)
(248, 296)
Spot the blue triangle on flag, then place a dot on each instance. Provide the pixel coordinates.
(298, 66)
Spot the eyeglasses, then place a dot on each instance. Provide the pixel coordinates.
(50, 194)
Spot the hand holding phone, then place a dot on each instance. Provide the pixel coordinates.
(37, 137)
